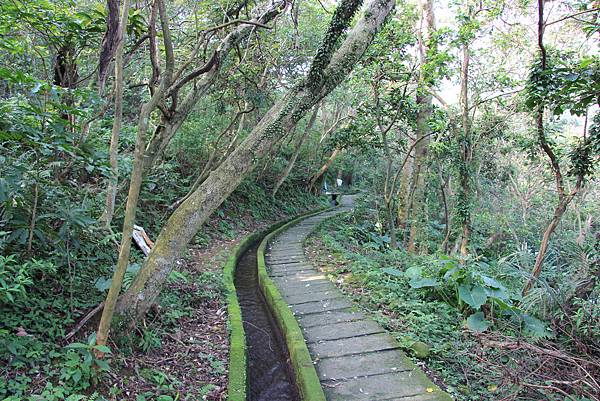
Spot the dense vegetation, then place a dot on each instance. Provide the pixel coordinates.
(471, 128)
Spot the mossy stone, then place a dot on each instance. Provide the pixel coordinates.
(420, 349)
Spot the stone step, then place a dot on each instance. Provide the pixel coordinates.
(299, 299)
(304, 289)
(321, 306)
(399, 385)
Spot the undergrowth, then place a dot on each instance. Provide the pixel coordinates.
(465, 321)
(43, 293)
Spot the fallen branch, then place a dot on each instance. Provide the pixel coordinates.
(83, 321)
(513, 345)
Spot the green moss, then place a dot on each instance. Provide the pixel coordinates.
(307, 379)
(237, 337)
(306, 375)
(420, 349)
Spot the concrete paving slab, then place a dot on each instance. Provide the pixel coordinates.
(284, 273)
(341, 330)
(300, 276)
(329, 317)
(299, 290)
(367, 364)
(291, 267)
(321, 306)
(294, 280)
(298, 299)
(354, 345)
(399, 385)
(285, 285)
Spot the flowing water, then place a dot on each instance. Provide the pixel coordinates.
(270, 375)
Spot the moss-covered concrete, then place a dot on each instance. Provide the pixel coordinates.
(307, 381)
(236, 387)
(306, 375)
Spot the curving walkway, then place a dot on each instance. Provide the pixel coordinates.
(355, 358)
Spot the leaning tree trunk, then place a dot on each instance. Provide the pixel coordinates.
(315, 180)
(329, 68)
(292, 161)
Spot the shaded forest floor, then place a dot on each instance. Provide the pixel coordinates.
(179, 352)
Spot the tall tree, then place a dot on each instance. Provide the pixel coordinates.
(577, 96)
(424, 110)
(136, 178)
(121, 37)
(330, 66)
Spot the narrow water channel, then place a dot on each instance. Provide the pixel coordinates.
(270, 376)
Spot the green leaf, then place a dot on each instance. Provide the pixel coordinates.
(414, 272)
(492, 282)
(103, 365)
(536, 327)
(392, 272)
(103, 349)
(477, 322)
(474, 296)
(77, 346)
(76, 376)
(103, 283)
(424, 282)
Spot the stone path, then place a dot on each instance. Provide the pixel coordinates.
(355, 358)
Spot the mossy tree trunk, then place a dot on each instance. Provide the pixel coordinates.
(329, 68)
(136, 175)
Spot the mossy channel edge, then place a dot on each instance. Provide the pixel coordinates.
(307, 380)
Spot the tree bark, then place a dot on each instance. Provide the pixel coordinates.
(110, 43)
(424, 110)
(136, 179)
(329, 68)
(465, 156)
(315, 180)
(403, 195)
(292, 161)
(113, 182)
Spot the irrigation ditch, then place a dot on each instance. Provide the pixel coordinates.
(268, 359)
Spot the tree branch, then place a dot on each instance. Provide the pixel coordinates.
(574, 15)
